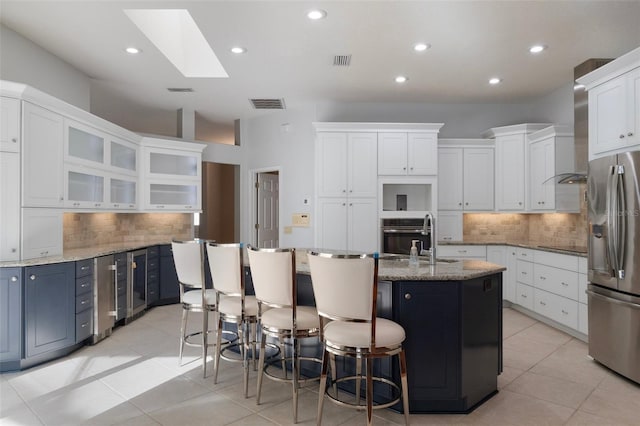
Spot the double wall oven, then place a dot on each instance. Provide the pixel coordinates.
(397, 235)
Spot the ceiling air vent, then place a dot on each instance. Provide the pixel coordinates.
(180, 89)
(342, 60)
(267, 103)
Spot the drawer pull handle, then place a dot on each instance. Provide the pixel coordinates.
(565, 312)
(543, 277)
(542, 303)
(564, 284)
(84, 268)
(84, 285)
(524, 296)
(523, 273)
(84, 325)
(83, 302)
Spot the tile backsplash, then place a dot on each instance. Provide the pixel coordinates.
(550, 229)
(90, 229)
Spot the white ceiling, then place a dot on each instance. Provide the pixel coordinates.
(291, 57)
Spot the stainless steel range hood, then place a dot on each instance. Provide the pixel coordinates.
(581, 123)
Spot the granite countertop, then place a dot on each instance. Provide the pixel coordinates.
(572, 250)
(396, 268)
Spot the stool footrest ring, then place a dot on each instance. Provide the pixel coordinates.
(363, 404)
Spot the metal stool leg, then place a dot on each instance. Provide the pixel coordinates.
(295, 370)
(243, 338)
(323, 385)
(183, 331)
(369, 391)
(358, 378)
(263, 344)
(216, 360)
(205, 343)
(334, 374)
(405, 386)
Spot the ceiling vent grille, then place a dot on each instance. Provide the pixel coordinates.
(342, 60)
(267, 103)
(180, 89)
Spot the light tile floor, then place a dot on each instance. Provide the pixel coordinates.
(133, 378)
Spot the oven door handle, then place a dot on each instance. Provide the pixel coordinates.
(402, 231)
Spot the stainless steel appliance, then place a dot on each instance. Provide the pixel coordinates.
(397, 235)
(613, 193)
(136, 283)
(104, 297)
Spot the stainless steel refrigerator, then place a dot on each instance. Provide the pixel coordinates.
(614, 262)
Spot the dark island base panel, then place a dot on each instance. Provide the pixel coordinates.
(8, 366)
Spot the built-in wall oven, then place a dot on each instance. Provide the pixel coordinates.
(397, 235)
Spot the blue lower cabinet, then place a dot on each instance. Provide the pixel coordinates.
(10, 316)
(84, 325)
(153, 275)
(169, 287)
(49, 307)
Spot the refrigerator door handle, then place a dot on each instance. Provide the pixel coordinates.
(612, 225)
(621, 220)
(614, 301)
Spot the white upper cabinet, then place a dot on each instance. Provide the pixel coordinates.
(172, 175)
(407, 154)
(9, 205)
(84, 144)
(614, 105)
(449, 225)
(347, 164)
(42, 162)
(551, 152)
(10, 129)
(465, 175)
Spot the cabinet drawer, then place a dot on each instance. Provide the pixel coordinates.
(84, 325)
(558, 281)
(121, 287)
(153, 276)
(563, 261)
(84, 285)
(152, 263)
(84, 268)
(153, 251)
(524, 295)
(462, 251)
(524, 272)
(122, 306)
(557, 308)
(524, 254)
(165, 250)
(84, 302)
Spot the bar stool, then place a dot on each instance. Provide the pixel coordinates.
(273, 272)
(188, 257)
(227, 273)
(346, 290)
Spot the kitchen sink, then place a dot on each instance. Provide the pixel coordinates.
(405, 258)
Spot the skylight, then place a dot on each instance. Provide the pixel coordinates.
(176, 35)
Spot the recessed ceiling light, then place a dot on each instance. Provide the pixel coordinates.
(401, 79)
(132, 50)
(537, 48)
(495, 80)
(238, 49)
(421, 47)
(316, 14)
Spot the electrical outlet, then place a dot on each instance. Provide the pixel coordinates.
(300, 219)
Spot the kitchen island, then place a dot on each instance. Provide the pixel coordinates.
(452, 316)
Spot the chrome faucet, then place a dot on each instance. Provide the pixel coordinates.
(429, 219)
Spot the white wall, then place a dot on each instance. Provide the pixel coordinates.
(23, 61)
(556, 107)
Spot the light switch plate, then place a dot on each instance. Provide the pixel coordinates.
(300, 219)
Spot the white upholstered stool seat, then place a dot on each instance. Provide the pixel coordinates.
(232, 305)
(194, 297)
(282, 318)
(358, 334)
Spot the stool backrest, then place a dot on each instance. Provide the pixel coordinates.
(225, 263)
(344, 286)
(273, 275)
(188, 257)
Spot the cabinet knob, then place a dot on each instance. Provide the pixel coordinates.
(14, 279)
(344, 204)
(564, 284)
(32, 277)
(524, 296)
(404, 168)
(407, 296)
(13, 250)
(344, 190)
(542, 277)
(630, 134)
(519, 203)
(459, 204)
(621, 136)
(542, 303)
(61, 198)
(14, 140)
(466, 204)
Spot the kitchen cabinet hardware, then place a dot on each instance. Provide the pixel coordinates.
(621, 136)
(542, 277)
(523, 295)
(14, 279)
(543, 303)
(407, 296)
(32, 277)
(14, 140)
(564, 284)
(630, 134)
(565, 312)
